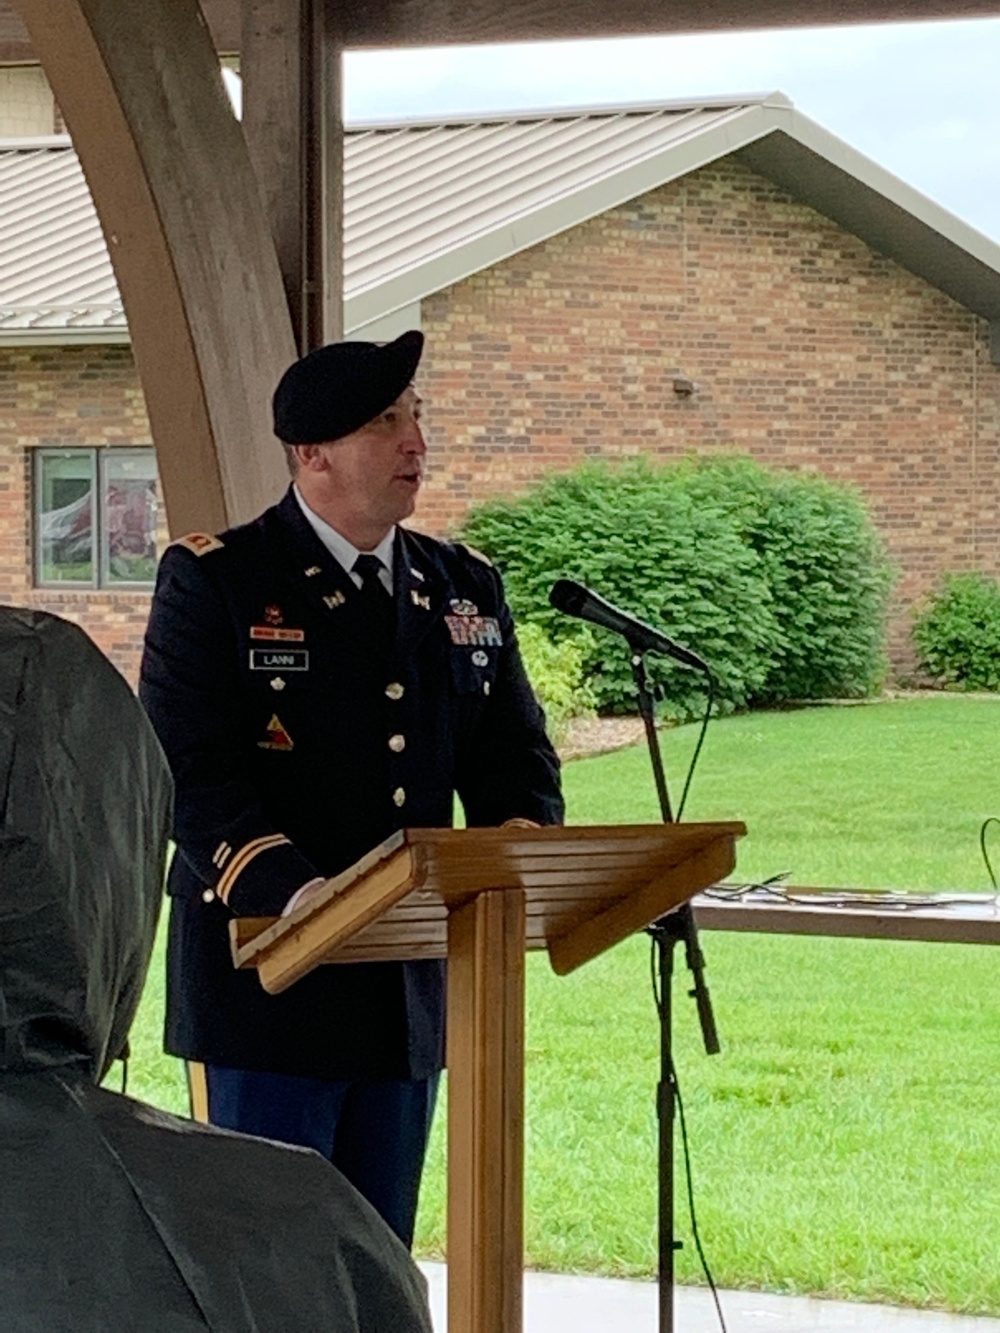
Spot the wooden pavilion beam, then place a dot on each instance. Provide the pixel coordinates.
(291, 65)
(141, 91)
(438, 22)
(441, 22)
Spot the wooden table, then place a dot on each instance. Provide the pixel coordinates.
(951, 918)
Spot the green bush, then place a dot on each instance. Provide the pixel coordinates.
(958, 634)
(556, 671)
(826, 570)
(777, 580)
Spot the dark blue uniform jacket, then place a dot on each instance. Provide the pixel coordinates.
(294, 753)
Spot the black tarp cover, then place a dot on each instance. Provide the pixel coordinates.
(114, 1216)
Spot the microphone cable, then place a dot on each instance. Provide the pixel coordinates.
(986, 856)
(698, 744)
(686, 1147)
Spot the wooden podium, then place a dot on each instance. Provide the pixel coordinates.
(481, 897)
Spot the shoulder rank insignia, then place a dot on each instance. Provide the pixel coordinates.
(199, 543)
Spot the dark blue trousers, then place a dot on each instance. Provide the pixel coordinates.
(375, 1133)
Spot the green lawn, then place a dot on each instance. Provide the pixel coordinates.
(845, 1140)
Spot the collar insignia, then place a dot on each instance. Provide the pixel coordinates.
(335, 599)
(418, 600)
(312, 571)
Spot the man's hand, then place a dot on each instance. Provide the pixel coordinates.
(300, 896)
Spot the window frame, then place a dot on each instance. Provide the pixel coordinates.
(100, 579)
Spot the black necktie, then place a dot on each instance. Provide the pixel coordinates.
(377, 607)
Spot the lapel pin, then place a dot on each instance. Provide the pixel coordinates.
(312, 571)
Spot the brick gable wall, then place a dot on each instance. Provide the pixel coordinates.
(807, 350)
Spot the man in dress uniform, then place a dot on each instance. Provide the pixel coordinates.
(319, 678)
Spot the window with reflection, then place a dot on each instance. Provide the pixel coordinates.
(95, 517)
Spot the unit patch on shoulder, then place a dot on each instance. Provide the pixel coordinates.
(200, 543)
(277, 737)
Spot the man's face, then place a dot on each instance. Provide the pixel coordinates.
(368, 481)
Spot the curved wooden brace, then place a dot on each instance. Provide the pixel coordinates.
(140, 89)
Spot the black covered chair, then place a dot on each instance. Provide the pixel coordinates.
(114, 1215)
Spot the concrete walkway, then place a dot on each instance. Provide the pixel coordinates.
(554, 1303)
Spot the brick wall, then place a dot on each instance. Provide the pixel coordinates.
(59, 397)
(806, 349)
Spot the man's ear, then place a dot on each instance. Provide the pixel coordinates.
(309, 457)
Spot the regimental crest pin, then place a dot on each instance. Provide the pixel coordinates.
(335, 599)
(273, 615)
(462, 607)
(277, 737)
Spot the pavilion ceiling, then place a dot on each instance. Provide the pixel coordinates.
(439, 22)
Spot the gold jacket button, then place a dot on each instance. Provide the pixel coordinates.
(397, 743)
(208, 896)
(399, 796)
(394, 690)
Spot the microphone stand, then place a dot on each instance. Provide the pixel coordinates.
(674, 928)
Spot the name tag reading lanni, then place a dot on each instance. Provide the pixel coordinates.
(279, 659)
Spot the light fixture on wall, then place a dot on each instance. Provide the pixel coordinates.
(683, 387)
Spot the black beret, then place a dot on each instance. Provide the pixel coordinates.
(336, 389)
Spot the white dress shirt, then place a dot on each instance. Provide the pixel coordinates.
(344, 552)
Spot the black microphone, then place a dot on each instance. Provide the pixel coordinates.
(576, 600)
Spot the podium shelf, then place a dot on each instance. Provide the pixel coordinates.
(584, 889)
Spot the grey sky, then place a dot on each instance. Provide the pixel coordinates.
(920, 98)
